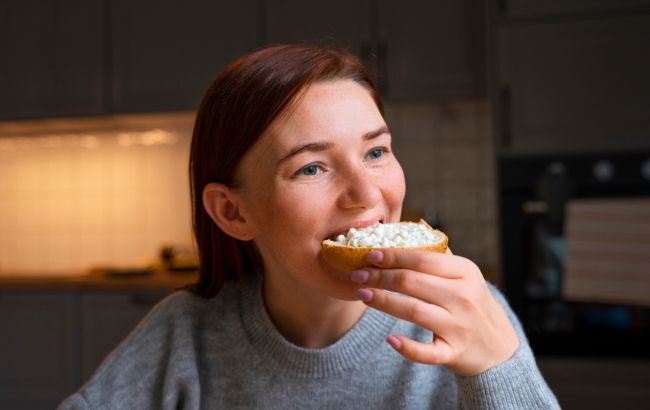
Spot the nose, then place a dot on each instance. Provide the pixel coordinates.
(360, 190)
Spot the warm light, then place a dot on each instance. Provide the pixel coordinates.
(22, 143)
(152, 137)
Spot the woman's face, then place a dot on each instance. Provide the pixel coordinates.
(325, 166)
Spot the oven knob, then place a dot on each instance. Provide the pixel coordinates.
(645, 169)
(556, 168)
(604, 171)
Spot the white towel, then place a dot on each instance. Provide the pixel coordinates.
(608, 251)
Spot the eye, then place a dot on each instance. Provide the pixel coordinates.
(376, 153)
(310, 170)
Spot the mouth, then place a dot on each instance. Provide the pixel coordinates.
(342, 230)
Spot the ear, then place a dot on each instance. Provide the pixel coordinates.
(223, 206)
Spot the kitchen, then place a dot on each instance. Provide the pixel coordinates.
(96, 130)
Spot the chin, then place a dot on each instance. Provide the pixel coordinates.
(342, 287)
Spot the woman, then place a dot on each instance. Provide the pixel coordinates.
(289, 148)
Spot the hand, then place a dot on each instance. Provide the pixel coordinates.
(449, 296)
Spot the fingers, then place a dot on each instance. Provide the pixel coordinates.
(445, 265)
(429, 288)
(436, 352)
(426, 315)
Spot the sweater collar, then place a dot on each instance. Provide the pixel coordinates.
(366, 336)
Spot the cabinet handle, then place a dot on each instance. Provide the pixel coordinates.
(505, 116)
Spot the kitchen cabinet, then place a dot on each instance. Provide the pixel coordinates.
(52, 53)
(76, 58)
(38, 348)
(431, 49)
(338, 23)
(165, 53)
(416, 49)
(574, 86)
(53, 341)
(538, 8)
(106, 319)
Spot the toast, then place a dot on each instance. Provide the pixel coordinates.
(348, 252)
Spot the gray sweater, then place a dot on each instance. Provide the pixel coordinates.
(225, 353)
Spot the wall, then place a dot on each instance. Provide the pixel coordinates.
(92, 192)
(112, 191)
(446, 151)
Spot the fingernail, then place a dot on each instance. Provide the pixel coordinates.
(364, 295)
(395, 342)
(359, 276)
(375, 256)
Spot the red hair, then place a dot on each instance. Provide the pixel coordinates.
(235, 111)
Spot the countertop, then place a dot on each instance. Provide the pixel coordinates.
(154, 280)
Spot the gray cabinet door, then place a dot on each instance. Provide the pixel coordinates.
(51, 60)
(38, 349)
(575, 86)
(521, 8)
(165, 53)
(107, 319)
(337, 23)
(431, 49)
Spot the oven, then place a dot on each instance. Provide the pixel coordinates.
(535, 196)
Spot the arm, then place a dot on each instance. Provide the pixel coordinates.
(515, 384)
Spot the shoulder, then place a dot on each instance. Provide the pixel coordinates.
(186, 310)
(183, 315)
(160, 352)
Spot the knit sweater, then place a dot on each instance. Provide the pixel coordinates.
(225, 353)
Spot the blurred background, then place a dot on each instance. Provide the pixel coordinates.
(523, 127)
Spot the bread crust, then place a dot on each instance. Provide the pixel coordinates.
(353, 257)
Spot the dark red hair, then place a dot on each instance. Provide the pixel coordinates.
(236, 110)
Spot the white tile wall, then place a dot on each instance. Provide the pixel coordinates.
(446, 151)
(66, 208)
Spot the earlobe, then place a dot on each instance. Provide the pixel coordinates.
(223, 206)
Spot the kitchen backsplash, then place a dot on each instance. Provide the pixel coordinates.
(112, 191)
(447, 154)
(72, 200)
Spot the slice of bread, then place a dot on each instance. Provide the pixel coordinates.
(344, 254)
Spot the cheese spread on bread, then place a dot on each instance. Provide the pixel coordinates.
(391, 235)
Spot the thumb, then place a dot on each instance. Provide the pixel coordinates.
(436, 352)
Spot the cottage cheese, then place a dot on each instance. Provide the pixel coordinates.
(405, 234)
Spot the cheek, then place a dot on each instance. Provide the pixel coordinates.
(289, 212)
(395, 185)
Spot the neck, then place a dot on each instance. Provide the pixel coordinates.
(307, 317)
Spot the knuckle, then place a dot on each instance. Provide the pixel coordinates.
(403, 280)
(418, 312)
(463, 330)
(466, 300)
(471, 269)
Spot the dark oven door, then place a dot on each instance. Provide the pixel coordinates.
(534, 195)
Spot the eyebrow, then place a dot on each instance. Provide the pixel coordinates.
(322, 146)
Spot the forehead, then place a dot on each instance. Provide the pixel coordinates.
(324, 111)
(336, 112)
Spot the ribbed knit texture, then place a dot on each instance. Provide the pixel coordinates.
(295, 361)
(192, 353)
